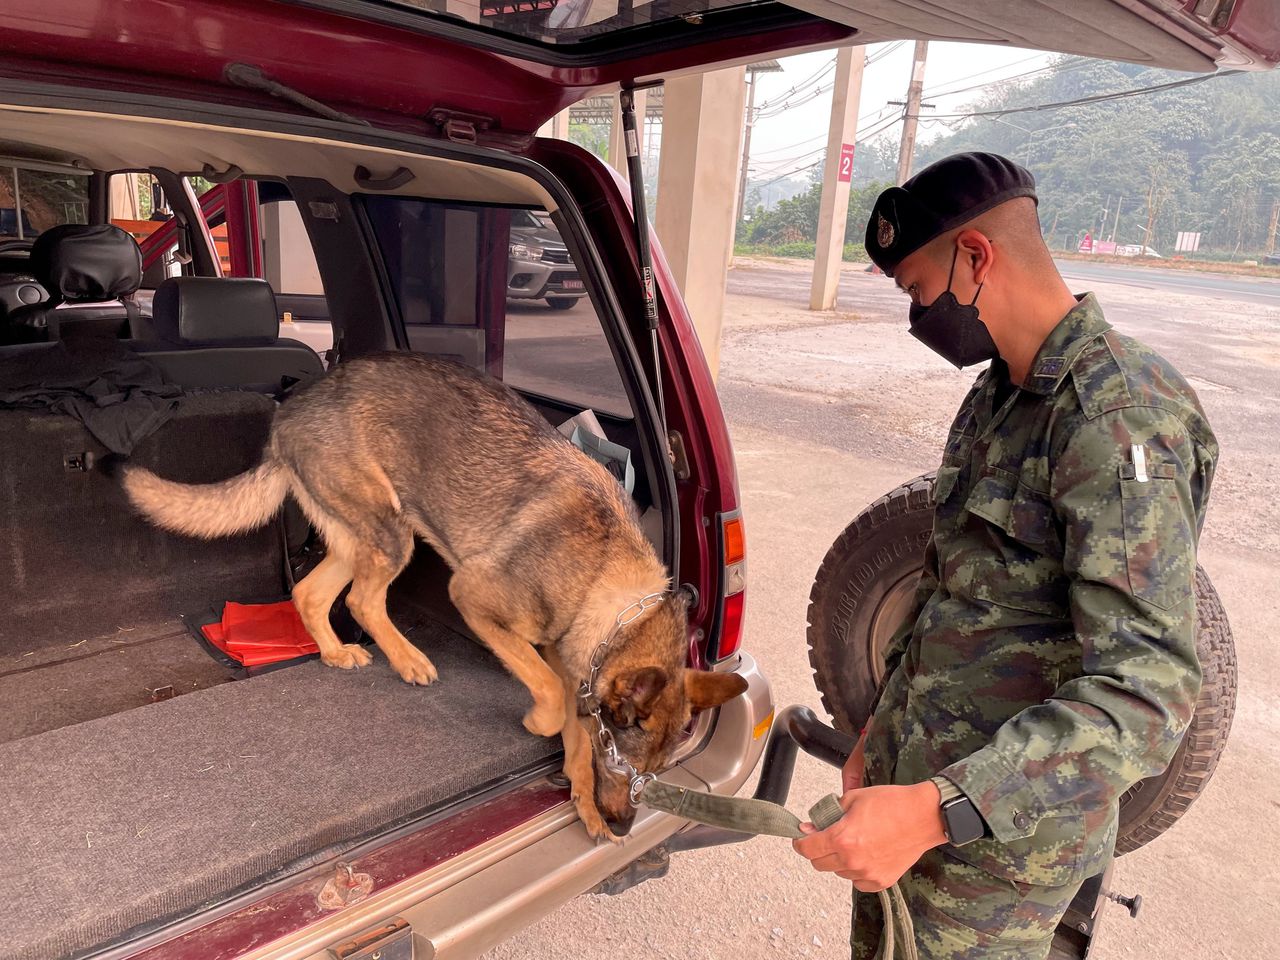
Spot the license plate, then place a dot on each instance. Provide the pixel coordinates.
(572, 284)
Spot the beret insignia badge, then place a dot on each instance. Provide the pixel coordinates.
(885, 234)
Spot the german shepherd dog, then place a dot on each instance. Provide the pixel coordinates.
(544, 546)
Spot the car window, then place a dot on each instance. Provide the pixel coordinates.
(289, 265)
(137, 205)
(32, 201)
(498, 288)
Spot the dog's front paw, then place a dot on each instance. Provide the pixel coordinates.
(348, 656)
(543, 720)
(594, 824)
(416, 668)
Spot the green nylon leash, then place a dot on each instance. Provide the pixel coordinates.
(748, 815)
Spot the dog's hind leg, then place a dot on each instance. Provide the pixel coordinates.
(314, 596)
(494, 613)
(375, 567)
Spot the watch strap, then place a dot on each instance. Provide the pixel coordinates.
(948, 789)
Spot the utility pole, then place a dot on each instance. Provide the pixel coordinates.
(746, 144)
(1116, 226)
(1271, 229)
(837, 177)
(912, 114)
(753, 76)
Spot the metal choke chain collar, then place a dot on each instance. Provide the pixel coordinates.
(613, 758)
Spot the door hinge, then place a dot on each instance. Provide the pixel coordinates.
(679, 459)
(392, 940)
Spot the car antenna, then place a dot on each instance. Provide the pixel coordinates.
(252, 78)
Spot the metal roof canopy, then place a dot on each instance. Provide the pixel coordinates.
(599, 110)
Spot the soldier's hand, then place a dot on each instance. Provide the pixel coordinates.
(883, 833)
(851, 775)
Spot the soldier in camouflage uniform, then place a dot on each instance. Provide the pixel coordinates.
(1050, 660)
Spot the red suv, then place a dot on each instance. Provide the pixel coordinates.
(372, 161)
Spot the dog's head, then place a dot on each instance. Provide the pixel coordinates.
(647, 697)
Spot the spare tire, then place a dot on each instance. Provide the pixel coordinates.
(865, 589)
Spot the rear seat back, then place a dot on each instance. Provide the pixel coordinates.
(216, 332)
(76, 556)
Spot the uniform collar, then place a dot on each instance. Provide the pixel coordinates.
(1060, 350)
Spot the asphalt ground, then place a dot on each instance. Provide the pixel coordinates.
(830, 410)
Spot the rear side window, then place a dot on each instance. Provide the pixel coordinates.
(497, 288)
(33, 201)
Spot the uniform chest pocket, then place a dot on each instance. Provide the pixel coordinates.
(1159, 546)
(1017, 558)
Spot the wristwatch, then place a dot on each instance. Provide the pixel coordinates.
(960, 818)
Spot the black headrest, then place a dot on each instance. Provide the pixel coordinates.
(202, 309)
(87, 264)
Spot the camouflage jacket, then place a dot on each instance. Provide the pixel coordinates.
(1052, 663)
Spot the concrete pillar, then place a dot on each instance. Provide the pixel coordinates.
(617, 144)
(697, 187)
(833, 209)
(557, 126)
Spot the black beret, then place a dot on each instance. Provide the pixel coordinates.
(940, 197)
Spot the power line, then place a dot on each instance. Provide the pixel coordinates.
(822, 71)
(1099, 98)
(870, 134)
(938, 91)
(779, 105)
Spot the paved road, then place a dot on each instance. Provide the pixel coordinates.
(1216, 285)
(784, 282)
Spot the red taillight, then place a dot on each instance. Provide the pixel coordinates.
(731, 632)
(734, 587)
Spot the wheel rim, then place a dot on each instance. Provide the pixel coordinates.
(890, 614)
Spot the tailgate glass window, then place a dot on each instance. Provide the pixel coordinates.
(497, 287)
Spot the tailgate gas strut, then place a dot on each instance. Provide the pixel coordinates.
(640, 217)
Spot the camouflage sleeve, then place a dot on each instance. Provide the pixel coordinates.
(1129, 524)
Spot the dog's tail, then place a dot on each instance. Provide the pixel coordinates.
(209, 510)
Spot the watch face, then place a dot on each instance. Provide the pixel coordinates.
(964, 823)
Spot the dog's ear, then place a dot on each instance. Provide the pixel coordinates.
(705, 688)
(634, 692)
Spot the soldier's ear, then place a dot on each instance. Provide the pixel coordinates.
(705, 688)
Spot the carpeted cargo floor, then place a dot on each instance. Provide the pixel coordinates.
(86, 679)
(122, 822)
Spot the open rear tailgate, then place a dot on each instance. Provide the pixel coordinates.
(512, 64)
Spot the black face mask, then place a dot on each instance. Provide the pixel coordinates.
(953, 329)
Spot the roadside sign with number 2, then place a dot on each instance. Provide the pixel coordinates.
(846, 163)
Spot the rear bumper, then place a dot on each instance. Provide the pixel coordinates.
(476, 900)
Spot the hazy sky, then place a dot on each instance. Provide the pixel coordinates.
(791, 138)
